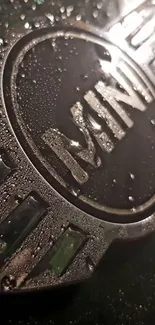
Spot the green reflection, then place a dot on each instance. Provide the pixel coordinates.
(65, 250)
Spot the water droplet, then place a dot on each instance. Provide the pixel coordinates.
(85, 77)
(50, 17)
(95, 14)
(1, 41)
(6, 24)
(153, 122)
(62, 9)
(8, 283)
(54, 45)
(75, 191)
(99, 5)
(38, 248)
(131, 199)
(90, 264)
(132, 176)
(63, 16)
(33, 7)
(27, 25)
(108, 144)
(37, 24)
(78, 17)
(62, 227)
(18, 199)
(69, 9)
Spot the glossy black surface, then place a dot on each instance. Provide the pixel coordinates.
(121, 290)
(19, 223)
(48, 85)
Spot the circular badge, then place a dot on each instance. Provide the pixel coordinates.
(83, 112)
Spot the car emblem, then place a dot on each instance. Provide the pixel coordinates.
(78, 146)
(82, 127)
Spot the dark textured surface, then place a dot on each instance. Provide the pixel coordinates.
(122, 290)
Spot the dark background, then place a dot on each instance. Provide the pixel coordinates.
(122, 289)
